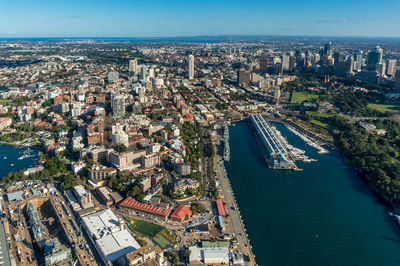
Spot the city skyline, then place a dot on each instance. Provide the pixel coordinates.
(178, 18)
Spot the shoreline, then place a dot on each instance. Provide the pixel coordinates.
(15, 144)
(236, 220)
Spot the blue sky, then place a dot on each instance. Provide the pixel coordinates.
(167, 18)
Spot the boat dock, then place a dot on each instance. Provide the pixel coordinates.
(227, 151)
(279, 157)
(308, 140)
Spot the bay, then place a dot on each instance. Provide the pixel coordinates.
(9, 159)
(324, 215)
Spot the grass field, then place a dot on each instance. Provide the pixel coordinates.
(393, 108)
(323, 115)
(145, 228)
(298, 97)
(320, 123)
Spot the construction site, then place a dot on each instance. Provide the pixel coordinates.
(50, 241)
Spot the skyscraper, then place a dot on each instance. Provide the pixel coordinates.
(143, 73)
(358, 60)
(133, 64)
(327, 48)
(118, 105)
(285, 62)
(374, 57)
(397, 76)
(191, 66)
(391, 67)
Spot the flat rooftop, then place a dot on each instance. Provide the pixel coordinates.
(117, 244)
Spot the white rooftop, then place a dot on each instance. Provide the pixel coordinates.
(80, 191)
(101, 223)
(116, 245)
(209, 255)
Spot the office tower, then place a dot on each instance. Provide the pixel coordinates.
(191, 66)
(321, 53)
(243, 76)
(317, 58)
(133, 64)
(118, 105)
(397, 76)
(374, 57)
(143, 73)
(327, 48)
(265, 63)
(151, 72)
(358, 60)
(285, 62)
(391, 67)
(292, 62)
(338, 57)
(381, 68)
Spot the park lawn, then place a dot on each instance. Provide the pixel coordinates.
(320, 123)
(323, 115)
(298, 97)
(145, 228)
(393, 108)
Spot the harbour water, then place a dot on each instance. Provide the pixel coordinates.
(9, 159)
(324, 215)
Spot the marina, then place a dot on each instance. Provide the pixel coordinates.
(308, 140)
(227, 152)
(280, 154)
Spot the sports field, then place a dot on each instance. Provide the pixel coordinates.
(145, 228)
(298, 97)
(162, 241)
(393, 108)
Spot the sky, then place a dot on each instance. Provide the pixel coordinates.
(171, 18)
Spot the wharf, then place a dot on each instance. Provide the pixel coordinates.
(278, 156)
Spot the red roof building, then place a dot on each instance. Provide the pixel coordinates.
(130, 205)
(181, 213)
(220, 207)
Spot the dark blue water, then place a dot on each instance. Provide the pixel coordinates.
(13, 153)
(325, 215)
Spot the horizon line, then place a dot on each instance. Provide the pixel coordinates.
(200, 36)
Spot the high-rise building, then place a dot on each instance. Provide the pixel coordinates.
(191, 66)
(265, 63)
(338, 57)
(358, 60)
(118, 105)
(285, 62)
(143, 73)
(391, 67)
(397, 76)
(374, 57)
(243, 76)
(381, 68)
(133, 65)
(327, 48)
